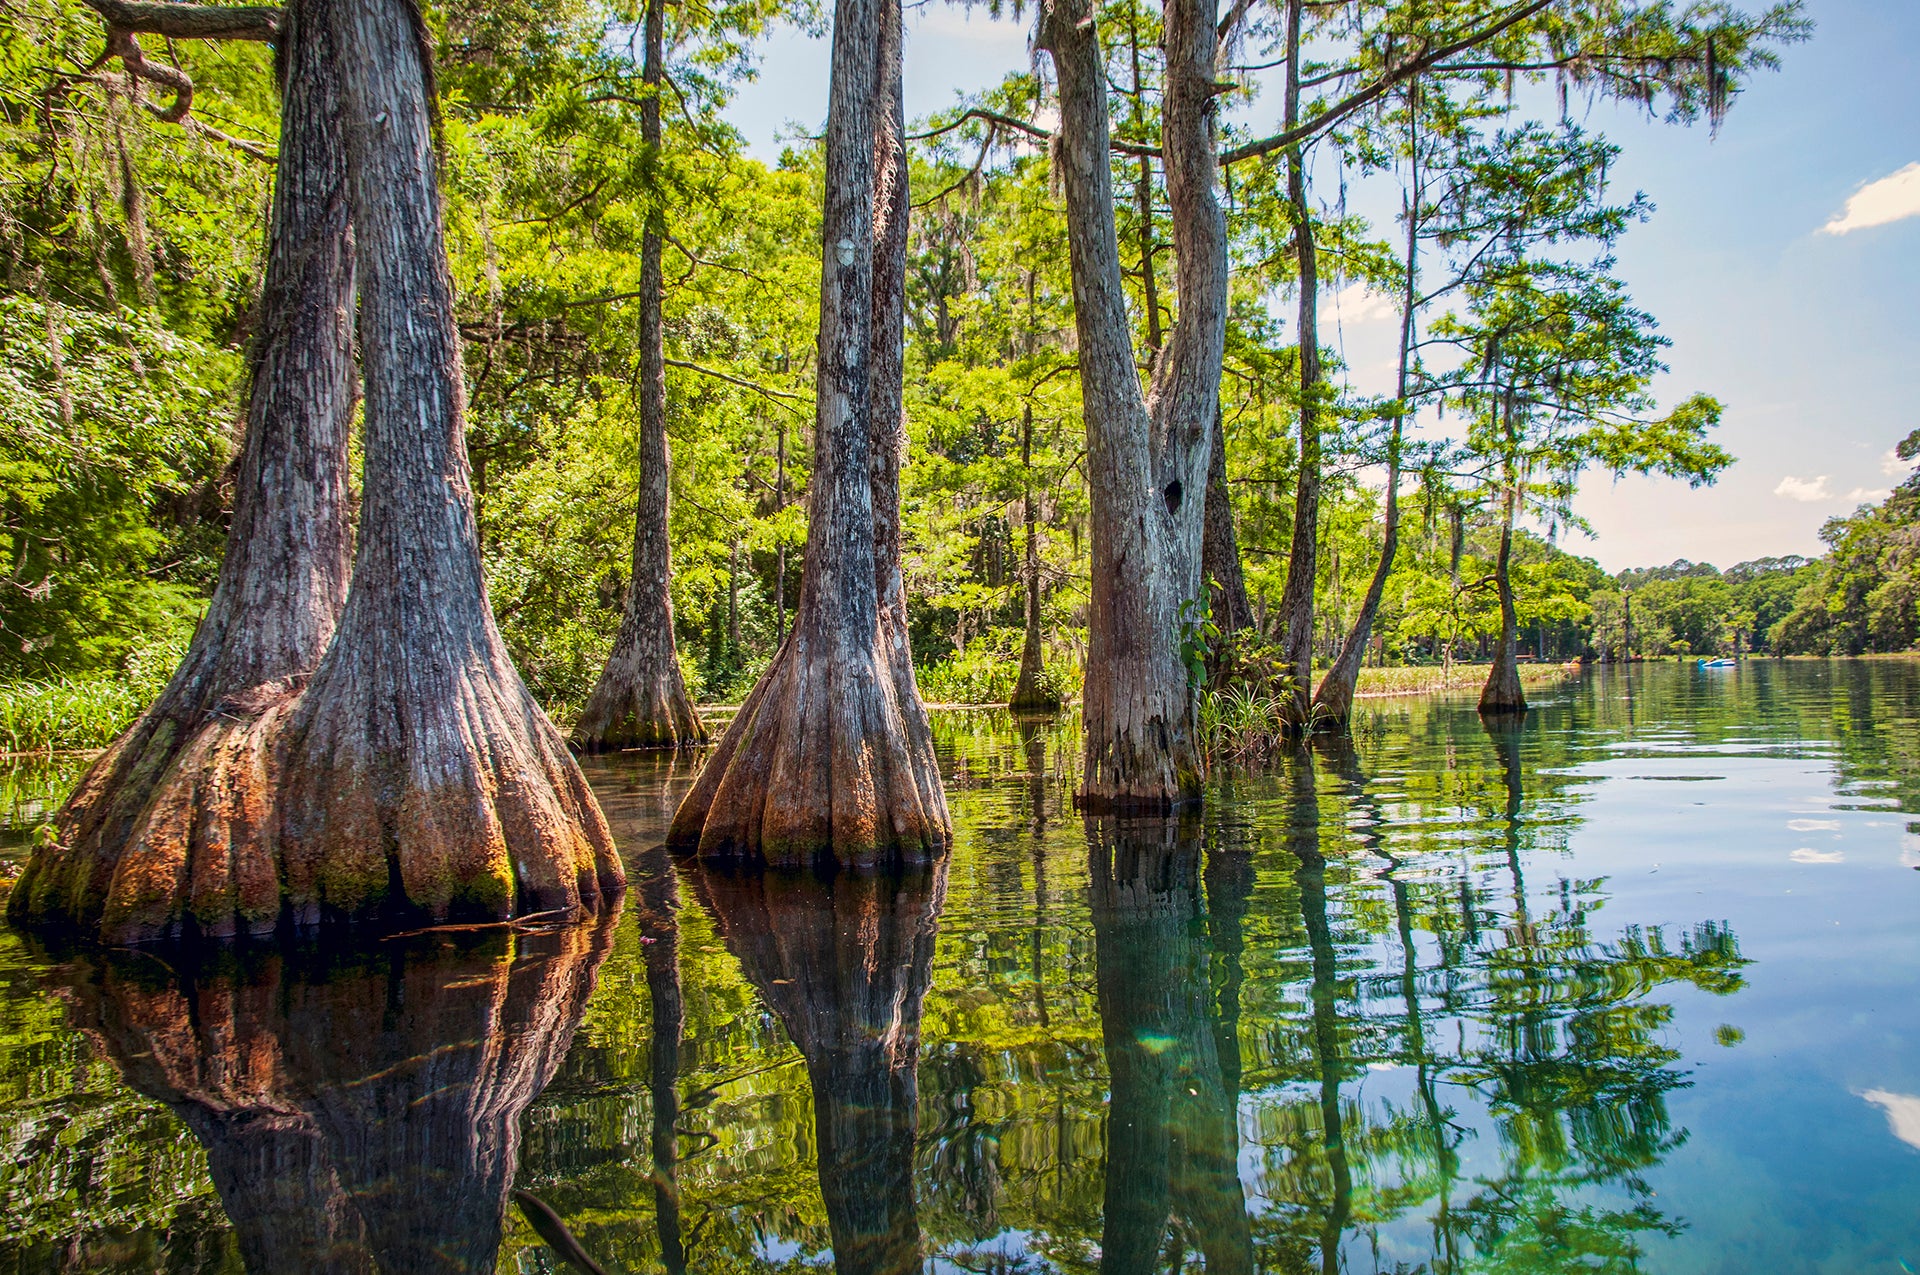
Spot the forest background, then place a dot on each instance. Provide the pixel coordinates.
(130, 256)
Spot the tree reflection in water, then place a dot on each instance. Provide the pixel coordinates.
(360, 1110)
(845, 962)
(1171, 1146)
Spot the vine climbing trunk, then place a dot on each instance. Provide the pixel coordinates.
(1296, 599)
(1147, 456)
(640, 700)
(830, 760)
(420, 776)
(168, 832)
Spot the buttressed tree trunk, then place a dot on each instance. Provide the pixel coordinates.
(846, 964)
(169, 830)
(1147, 456)
(641, 700)
(830, 760)
(420, 776)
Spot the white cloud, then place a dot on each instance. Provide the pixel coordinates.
(1804, 490)
(1893, 467)
(1807, 855)
(1814, 825)
(1354, 304)
(1893, 198)
(1903, 1113)
(1861, 495)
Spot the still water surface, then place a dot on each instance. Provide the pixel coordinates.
(1630, 988)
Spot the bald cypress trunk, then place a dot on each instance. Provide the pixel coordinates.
(168, 831)
(1031, 694)
(420, 776)
(1503, 693)
(1333, 702)
(1147, 456)
(1296, 600)
(1220, 547)
(830, 760)
(641, 700)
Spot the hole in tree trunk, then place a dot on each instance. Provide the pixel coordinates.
(1172, 494)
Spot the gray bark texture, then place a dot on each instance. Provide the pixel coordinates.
(830, 760)
(846, 964)
(1503, 693)
(419, 775)
(1303, 555)
(1147, 455)
(640, 700)
(1220, 547)
(168, 831)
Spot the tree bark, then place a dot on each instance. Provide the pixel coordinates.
(1147, 457)
(1220, 548)
(641, 700)
(420, 777)
(1503, 694)
(1031, 694)
(1296, 600)
(169, 830)
(830, 760)
(1333, 702)
(846, 964)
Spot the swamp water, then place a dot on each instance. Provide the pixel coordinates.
(1631, 987)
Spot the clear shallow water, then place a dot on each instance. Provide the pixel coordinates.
(1630, 988)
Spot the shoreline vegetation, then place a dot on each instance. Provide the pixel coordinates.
(75, 716)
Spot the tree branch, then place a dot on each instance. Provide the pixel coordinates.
(1394, 76)
(188, 21)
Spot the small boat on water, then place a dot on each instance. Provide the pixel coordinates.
(1720, 663)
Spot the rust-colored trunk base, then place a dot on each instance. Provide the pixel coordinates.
(823, 765)
(169, 834)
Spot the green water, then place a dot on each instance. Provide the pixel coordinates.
(1631, 988)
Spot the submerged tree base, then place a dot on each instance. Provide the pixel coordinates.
(823, 765)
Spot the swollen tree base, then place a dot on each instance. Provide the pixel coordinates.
(823, 765)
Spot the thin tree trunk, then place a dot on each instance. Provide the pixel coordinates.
(1220, 547)
(168, 831)
(1503, 693)
(641, 700)
(1296, 601)
(659, 891)
(1031, 694)
(1333, 702)
(831, 757)
(1147, 456)
(420, 776)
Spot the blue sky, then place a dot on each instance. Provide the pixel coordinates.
(1810, 338)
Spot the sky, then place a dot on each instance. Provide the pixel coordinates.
(1783, 261)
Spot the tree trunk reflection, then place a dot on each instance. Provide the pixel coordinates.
(845, 962)
(360, 1111)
